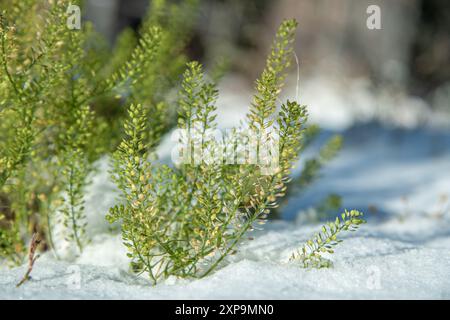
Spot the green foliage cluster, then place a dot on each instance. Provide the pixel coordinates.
(311, 254)
(184, 221)
(62, 93)
(63, 104)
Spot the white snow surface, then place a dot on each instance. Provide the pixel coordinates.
(399, 177)
(376, 262)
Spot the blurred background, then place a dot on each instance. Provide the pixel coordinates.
(386, 91)
(409, 55)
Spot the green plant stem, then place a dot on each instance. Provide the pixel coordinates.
(72, 213)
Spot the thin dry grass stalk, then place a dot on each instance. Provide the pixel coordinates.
(34, 243)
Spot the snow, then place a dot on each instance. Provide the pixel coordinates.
(397, 172)
(373, 263)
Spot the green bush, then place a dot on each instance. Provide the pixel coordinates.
(67, 99)
(61, 107)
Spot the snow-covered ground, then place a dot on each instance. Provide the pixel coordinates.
(400, 178)
(380, 261)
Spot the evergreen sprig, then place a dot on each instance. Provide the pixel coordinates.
(142, 57)
(76, 168)
(311, 254)
(269, 85)
(140, 222)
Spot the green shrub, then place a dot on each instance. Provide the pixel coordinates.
(59, 89)
(63, 96)
(184, 221)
